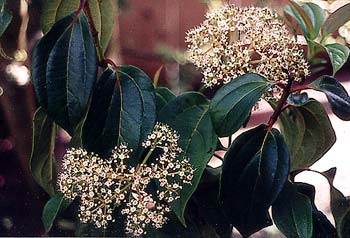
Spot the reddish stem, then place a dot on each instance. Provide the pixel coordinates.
(285, 106)
(78, 11)
(105, 62)
(299, 88)
(87, 11)
(94, 32)
(281, 104)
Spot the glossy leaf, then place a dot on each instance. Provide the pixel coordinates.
(189, 115)
(102, 14)
(206, 198)
(298, 99)
(52, 209)
(42, 159)
(317, 16)
(322, 227)
(340, 206)
(163, 96)
(336, 94)
(255, 169)
(338, 54)
(303, 19)
(5, 17)
(64, 71)
(308, 133)
(232, 103)
(122, 111)
(318, 55)
(292, 213)
(41, 55)
(336, 19)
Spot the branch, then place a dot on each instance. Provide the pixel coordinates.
(299, 88)
(86, 6)
(281, 103)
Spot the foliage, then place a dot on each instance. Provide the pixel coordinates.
(5, 17)
(140, 154)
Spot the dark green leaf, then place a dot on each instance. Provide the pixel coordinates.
(189, 115)
(304, 21)
(174, 229)
(255, 169)
(338, 54)
(163, 96)
(64, 71)
(308, 133)
(322, 227)
(41, 55)
(340, 207)
(231, 105)
(42, 159)
(336, 94)
(52, 209)
(5, 17)
(317, 16)
(292, 213)
(122, 111)
(102, 14)
(318, 55)
(336, 19)
(206, 198)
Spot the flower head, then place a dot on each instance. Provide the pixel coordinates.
(103, 184)
(96, 182)
(233, 41)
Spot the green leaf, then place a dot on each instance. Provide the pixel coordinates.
(322, 227)
(308, 133)
(102, 13)
(338, 54)
(336, 94)
(336, 19)
(163, 96)
(317, 16)
(189, 115)
(292, 213)
(42, 159)
(5, 17)
(303, 19)
(52, 209)
(122, 110)
(318, 54)
(232, 103)
(64, 71)
(206, 198)
(255, 169)
(340, 206)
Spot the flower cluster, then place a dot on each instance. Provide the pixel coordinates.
(104, 184)
(99, 183)
(169, 173)
(233, 41)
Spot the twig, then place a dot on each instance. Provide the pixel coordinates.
(280, 105)
(94, 32)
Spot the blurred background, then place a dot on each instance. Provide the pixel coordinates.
(148, 34)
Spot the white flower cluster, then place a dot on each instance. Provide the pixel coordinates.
(103, 185)
(236, 40)
(99, 183)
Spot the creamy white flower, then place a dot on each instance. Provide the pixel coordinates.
(236, 40)
(103, 184)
